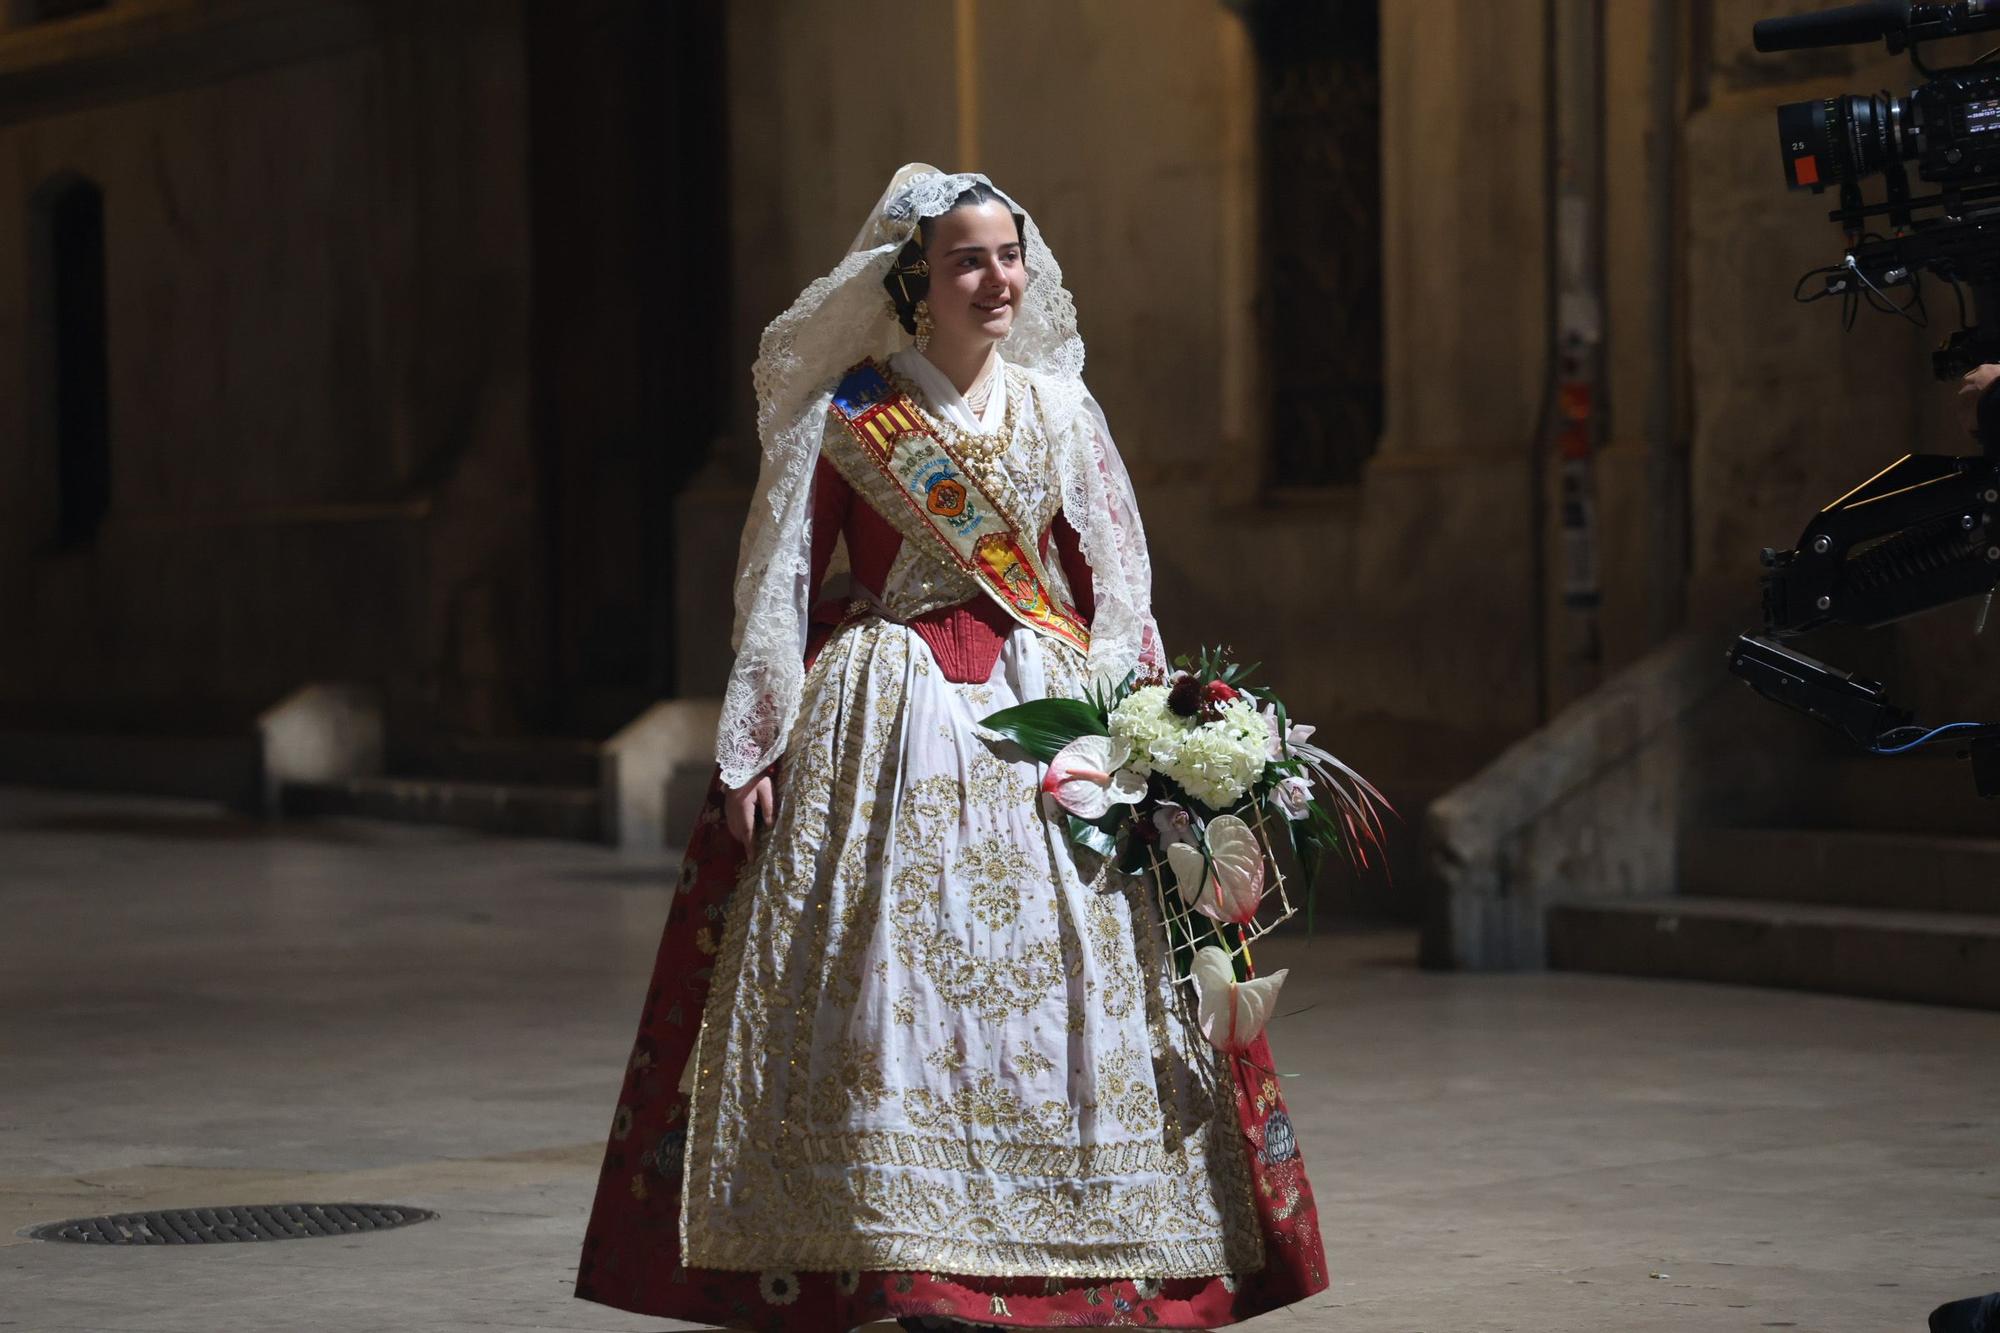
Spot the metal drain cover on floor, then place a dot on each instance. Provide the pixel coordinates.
(211, 1226)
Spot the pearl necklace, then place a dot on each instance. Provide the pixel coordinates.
(972, 446)
(980, 394)
(993, 458)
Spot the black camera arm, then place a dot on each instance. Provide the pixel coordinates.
(1856, 708)
(1918, 534)
(1898, 23)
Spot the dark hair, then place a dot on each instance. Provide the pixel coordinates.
(908, 280)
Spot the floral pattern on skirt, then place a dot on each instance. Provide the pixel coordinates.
(632, 1256)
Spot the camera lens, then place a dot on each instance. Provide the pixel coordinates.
(1870, 132)
(1839, 139)
(1802, 133)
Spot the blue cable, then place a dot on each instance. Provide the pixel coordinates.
(1926, 738)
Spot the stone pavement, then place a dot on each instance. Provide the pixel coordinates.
(196, 1009)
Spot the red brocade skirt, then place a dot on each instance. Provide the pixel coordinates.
(631, 1249)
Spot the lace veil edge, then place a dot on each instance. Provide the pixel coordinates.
(837, 321)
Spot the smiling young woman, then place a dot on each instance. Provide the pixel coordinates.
(977, 276)
(908, 1054)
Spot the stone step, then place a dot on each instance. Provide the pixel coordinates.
(1930, 957)
(546, 761)
(221, 768)
(1930, 793)
(1911, 872)
(519, 809)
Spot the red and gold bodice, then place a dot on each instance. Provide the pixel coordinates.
(906, 490)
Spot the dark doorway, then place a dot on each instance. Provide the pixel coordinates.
(48, 11)
(630, 255)
(1319, 130)
(72, 364)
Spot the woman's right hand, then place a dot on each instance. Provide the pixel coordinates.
(745, 806)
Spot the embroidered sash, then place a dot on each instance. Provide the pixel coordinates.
(944, 502)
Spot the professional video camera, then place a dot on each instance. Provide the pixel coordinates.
(1922, 532)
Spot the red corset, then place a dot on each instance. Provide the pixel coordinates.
(965, 639)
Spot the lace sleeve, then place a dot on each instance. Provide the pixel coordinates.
(1098, 501)
(774, 576)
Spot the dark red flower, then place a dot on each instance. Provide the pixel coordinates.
(1184, 698)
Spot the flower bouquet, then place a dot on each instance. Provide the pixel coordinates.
(1190, 779)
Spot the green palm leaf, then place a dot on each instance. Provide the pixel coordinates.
(1044, 726)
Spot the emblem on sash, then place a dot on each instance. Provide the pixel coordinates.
(947, 498)
(949, 502)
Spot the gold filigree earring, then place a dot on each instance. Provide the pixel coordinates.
(923, 313)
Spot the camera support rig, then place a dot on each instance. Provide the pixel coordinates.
(1918, 534)
(1962, 246)
(1922, 532)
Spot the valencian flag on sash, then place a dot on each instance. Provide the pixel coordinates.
(949, 503)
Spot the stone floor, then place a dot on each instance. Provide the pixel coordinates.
(195, 1010)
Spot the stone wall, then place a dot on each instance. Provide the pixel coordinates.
(323, 280)
(318, 352)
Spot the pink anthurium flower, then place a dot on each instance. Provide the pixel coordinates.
(1231, 1013)
(1228, 884)
(1088, 776)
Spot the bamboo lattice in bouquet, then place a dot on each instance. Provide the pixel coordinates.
(1190, 780)
(1181, 889)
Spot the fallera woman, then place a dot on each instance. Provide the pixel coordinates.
(908, 1054)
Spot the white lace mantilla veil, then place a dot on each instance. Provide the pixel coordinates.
(836, 322)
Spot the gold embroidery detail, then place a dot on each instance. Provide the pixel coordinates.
(1112, 948)
(997, 873)
(777, 1170)
(855, 1081)
(1125, 1088)
(945, 1059)
(993, 987)
(987, 1105)
(999, 787)
(928, 803)
(1031, 1062)
(958, 1153)
(914, 585)
(918, 887)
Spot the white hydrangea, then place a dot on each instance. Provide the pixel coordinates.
(1154, 730)
(1214, 762)
(1221, 760)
